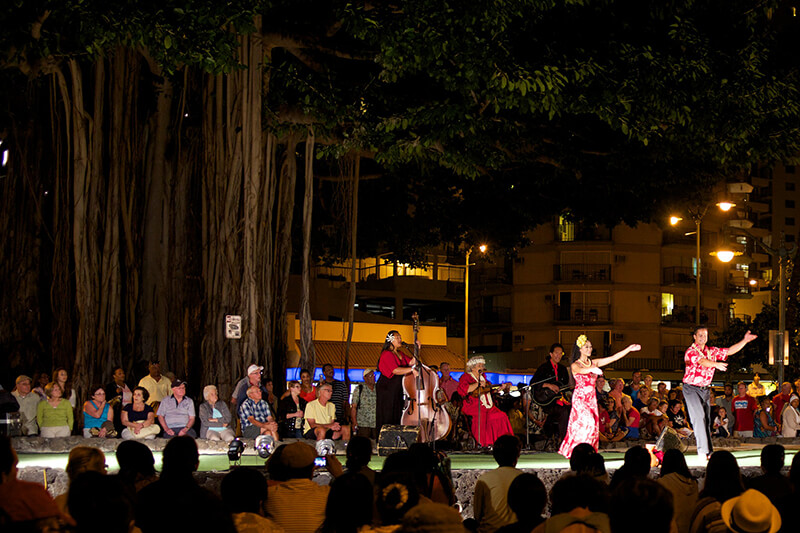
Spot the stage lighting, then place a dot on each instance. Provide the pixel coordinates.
(235, 450)
(265, 445)
(326, 447)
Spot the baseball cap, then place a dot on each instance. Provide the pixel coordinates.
(178, 383)
(254, 368)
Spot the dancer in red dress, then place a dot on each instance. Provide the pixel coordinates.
(584, 421)
(488, 422)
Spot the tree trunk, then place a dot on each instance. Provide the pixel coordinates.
(308, 356)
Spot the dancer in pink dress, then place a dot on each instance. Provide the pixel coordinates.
(584, 421)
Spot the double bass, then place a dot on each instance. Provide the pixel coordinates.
(422, 407)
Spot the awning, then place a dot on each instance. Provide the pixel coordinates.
(365, 355)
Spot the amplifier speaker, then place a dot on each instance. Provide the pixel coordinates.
(395, 438)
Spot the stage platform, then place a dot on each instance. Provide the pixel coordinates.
(41, 459)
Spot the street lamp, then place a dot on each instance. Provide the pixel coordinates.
(482, 249)
(697, 214)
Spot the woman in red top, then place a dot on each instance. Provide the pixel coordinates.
(308, 391)
(488, 422)
(393, 365)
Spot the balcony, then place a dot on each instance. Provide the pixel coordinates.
(578, 231)
(673, 352)
(685, 276)
(738, 291)
(684, 316)
(678, 237)
(582, 272)
(747, 319)
(582, 314)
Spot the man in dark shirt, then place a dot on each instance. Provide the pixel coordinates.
(550, 379)
(340, 395)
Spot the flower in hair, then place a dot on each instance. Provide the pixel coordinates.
(389, 338)
(402, 494)
(581, 340)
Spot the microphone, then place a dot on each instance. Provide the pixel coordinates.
(406, 345)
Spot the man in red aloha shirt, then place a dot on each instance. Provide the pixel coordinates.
(701, 362)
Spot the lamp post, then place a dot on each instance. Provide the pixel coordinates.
(697, 214)
(784, 255)
(482, 248)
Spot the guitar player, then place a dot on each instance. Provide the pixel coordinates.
(549, 382)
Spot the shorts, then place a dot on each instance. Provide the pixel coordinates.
(311, 435)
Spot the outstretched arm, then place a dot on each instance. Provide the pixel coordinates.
(739, 345)
(619, 355)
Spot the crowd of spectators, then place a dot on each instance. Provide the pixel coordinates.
(160, 406)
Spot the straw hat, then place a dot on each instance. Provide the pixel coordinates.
(751, 512)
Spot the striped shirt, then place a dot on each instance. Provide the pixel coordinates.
(298, 505)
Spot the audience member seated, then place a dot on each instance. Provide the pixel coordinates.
(721, 423)
(298, 504)
(397, 494)
(157, 385)
(751, 512)
(359, 453)
(290, 412)
(641, 502)
(138, 417)
(255, 416)
(215, 417)
(772, 483)
(432, 517)
(244, 493)
(526, 498)
(54, 415)
(308, 391)
(677, 479)
(642, 398)
(24, 506)
(432, 473)
(636, 465)
(98, 417)
(610, 428)
(654, 419)
(100, 503)
(136, 465)
(596, 468)
(580, 454)
(630, 417)
(61, 377)
(763, 423)
(790, 417)
(677, 419)
(176, 501)
(490, 501)
(577, 503)
(81, 459)
(28, 402)
(723, 482)
(176, 414)
(320, 417)
(118, 395)
(349, 506)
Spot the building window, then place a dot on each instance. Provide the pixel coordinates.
(790, 221)
(566, 229)
(667, 303)
(789, 204)
(789, 186)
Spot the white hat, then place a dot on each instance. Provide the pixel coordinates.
(254, 368)
(751, 512)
